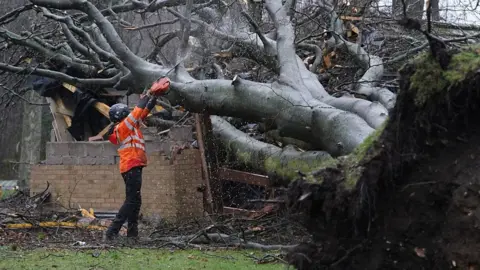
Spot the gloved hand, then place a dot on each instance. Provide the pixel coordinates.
(160, 87)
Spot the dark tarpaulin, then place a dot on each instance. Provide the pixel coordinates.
(46, 87)
(85, 113)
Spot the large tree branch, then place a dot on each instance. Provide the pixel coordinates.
(308, 82)
(63, 4)
(66, 20)
(104, 25)
(158, 4)
(373, 66)
(186, 27)
(270, 159)
(269, 49)
(287, 58)
(295, 115)
(59, 75)
(75, 44)
(27, 42)
(145, 72)
(98, 37)
(12, 15)
(112, 36)
(245, 44)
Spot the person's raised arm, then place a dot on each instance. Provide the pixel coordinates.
(137, 115)
(151, 103)
(160, 87)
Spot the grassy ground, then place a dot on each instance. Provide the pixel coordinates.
(132, 259)
(6, 193)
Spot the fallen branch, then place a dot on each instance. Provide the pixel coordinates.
(263, 156)
(219, 238)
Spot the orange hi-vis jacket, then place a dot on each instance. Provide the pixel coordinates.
(130, 139)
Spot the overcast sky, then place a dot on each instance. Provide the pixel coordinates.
(454, 11)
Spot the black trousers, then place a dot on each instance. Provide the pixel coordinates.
(131, 206)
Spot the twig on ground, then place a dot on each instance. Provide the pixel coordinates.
(350, 251)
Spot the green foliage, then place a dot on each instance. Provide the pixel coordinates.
(132, 259)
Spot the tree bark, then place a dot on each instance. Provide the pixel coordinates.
(274, 161)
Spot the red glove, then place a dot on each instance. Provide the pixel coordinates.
(160, 87)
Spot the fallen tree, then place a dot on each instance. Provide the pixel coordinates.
(295, 104)
(358, 154)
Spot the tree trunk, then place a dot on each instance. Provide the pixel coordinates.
(414, 8)
(255, 9)
(435, 10)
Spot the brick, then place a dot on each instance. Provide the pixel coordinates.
(69, 160)
(106, 160)
(94, 149)
(153, 147)
(170, 191)
(110, 150)
(57, 149)
(54, 160)
(77, 149)
(60, 171)
(87, 160)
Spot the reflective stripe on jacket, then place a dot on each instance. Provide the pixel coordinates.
(130, 140)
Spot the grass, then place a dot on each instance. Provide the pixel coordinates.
(5, 193)
(133, 259)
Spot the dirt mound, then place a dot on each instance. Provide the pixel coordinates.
(409, 197)
(432, 220)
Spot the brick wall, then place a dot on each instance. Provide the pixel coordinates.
(169, 188)
(87, 174)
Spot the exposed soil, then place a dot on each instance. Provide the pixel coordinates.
(432, 221)
(416, 204)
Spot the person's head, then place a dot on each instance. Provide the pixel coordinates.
(118, 112)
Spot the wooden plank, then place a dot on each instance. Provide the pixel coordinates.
(206, 177)
(243, 177)
(104, 130)
(56, 133)
(64, 111)
(59, 124)
(212, 161)
(102, 108)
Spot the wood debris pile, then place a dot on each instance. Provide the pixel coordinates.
(20, 211)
